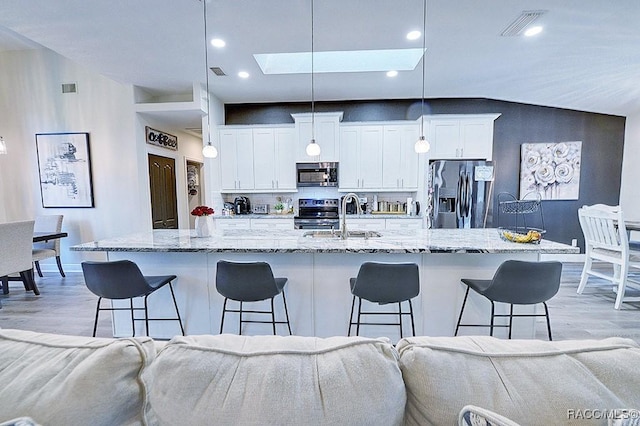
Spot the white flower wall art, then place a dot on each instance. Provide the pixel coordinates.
(551, 170)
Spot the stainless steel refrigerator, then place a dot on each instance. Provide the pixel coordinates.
(459, 193)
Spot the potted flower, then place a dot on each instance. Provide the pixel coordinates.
(204, 221)
(279, 207)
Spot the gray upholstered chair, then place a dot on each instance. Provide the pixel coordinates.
(384, 283)
(250, 282)
(122, 279)
(516, 282)
(46, 249)
(16, 240)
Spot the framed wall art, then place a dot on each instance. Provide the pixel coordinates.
(551, 170)
(64, 166)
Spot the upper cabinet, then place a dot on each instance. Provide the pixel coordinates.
(259, 159)
(468, 136)
(327, 135)
(378, 157)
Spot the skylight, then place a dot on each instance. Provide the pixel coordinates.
(339, 61)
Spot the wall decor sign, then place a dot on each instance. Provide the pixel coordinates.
(64, 165)
(551, 170)
(162, 139)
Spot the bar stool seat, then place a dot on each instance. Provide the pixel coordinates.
(122, 279)
(384, 283)
(250, 282)
(517, 283)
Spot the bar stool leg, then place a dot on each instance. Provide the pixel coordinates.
(286, 313)
(176, 306)
(273, 318)
(510, 319)
(359, 313)
(464, 301)
(133, 323)
(546, 312)
(240, 329)
(224, 310)
(353, 304)
(492, 317)
(95, 323)
(400, 317)
(413, 327)
(146, 315)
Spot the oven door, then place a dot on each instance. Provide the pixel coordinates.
(299, 223)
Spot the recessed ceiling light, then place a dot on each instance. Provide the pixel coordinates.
(392, 73)
(243, 74)
(218, 42)
(533, 31)
(414, 35)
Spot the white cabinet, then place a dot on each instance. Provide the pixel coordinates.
(233, 224)
(257, 159)
(272, 224)
(461, 136)
(399, 160)
(273, 159)
(403, 224)
(360, 224)
(361, 158)
(236, 155)
(327, 135)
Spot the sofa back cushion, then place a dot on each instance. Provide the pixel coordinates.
(273, 380)
(71, 380)
(528, 381)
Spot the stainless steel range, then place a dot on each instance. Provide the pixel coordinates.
(316, 213)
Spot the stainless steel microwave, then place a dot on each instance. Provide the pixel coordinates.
(317, 174)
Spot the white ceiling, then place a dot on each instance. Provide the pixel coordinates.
(587, 58)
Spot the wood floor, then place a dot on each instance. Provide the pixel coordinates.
(65, 306)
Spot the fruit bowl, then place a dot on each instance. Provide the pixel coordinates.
(521, 235)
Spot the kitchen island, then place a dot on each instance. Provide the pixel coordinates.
(319, 269)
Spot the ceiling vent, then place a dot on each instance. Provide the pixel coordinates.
(69, 88)
(218, 71)
(519, 24)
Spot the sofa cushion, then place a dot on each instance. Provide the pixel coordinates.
(71, 380)
(527, 381)
(263, 380)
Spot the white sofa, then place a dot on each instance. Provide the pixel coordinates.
(272, 380)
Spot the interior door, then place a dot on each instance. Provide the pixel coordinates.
(162, 182)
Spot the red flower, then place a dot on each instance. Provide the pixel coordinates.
(202, 211)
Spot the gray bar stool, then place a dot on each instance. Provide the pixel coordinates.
(250, 282)
(122, 279)
(516, 282)
(384, 283)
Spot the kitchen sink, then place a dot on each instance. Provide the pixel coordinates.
(337, 234)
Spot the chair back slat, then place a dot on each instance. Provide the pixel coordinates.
(603, 228)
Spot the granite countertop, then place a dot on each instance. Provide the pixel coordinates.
(293, 241)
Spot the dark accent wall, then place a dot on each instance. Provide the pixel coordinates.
(602, 139)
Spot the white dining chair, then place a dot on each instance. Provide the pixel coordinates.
(47, 249)
(606, 241)
(16, 240)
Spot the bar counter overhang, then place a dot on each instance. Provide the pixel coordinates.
(319, 269)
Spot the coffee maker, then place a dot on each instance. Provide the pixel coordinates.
(242, 205)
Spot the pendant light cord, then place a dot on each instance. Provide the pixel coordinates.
(313, 137)
(424, 46)
(206, 68)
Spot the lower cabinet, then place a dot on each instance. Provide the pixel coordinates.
(403, 224)
(377, 224)
(233, 224)
(254, 223)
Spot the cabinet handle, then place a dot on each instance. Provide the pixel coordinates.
(402, 182)
(362, 184)
(461, 152)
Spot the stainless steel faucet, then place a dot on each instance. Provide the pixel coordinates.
(343, 220)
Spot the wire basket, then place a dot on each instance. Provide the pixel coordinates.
(519, 206)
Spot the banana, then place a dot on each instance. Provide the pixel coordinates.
(529, 237)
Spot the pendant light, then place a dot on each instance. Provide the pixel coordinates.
(422, 145)
(3, 146)
(313, 149)
(208, 151)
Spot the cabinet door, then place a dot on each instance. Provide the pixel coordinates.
(356, 224)
(264, 148)
(244, 156)
(228, 160)
(285, 161)
(327, 135)
(272, 224)
(476, 139)
(370, 153)
(445, 139)
(348, 173)
(399, 160)
(233, 223)
(404, 223)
